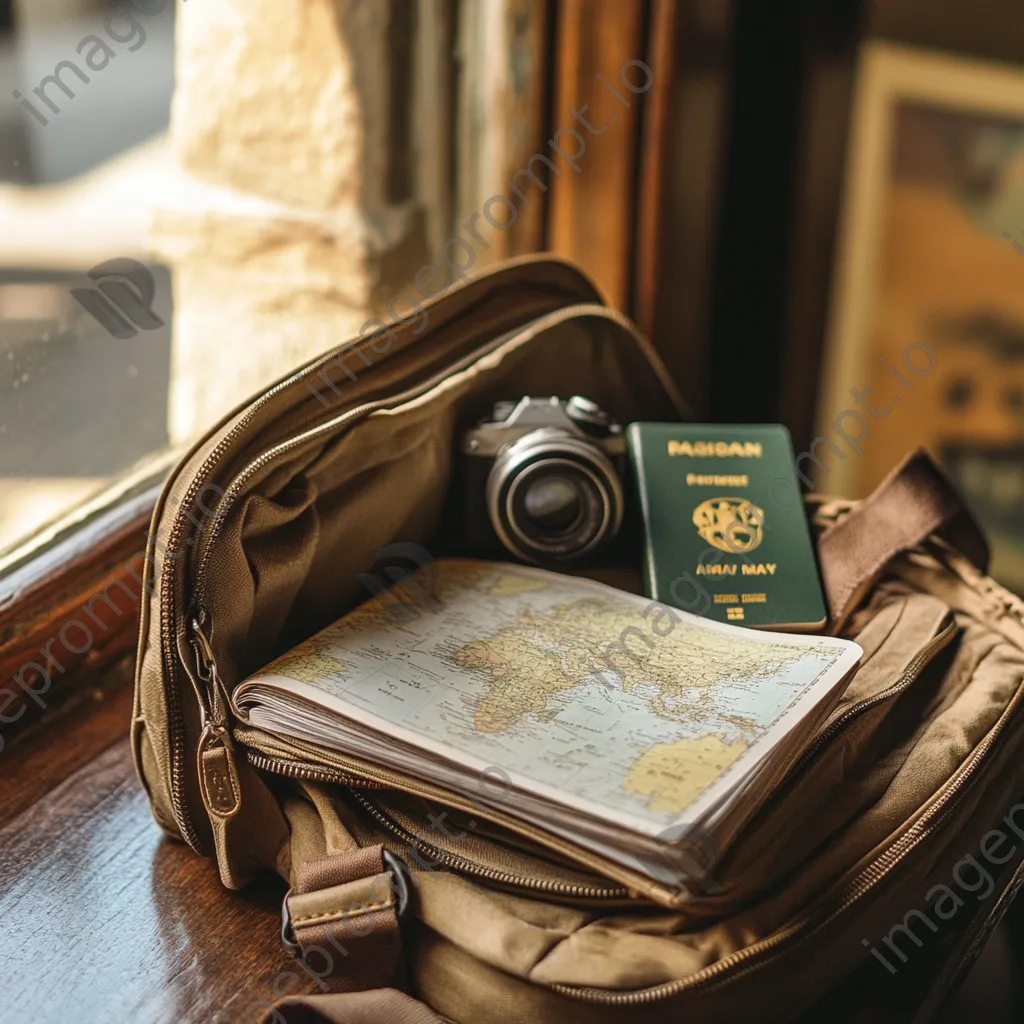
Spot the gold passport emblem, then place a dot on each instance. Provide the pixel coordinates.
(733, 525)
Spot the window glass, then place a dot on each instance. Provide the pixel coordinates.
(85, 315)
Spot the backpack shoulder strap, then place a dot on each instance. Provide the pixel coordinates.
(916, 499)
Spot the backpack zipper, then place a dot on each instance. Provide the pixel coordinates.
(355, 784)
(468, 867)
(168, 628)
(359, 778)
(309, 772)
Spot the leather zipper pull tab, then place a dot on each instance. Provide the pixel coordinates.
(218, 773)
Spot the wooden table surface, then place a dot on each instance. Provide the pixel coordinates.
(102, 918)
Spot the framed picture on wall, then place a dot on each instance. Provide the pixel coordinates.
(925, 344)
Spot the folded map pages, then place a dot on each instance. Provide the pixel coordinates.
(616, 723)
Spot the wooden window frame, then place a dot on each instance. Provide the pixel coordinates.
(71, 596)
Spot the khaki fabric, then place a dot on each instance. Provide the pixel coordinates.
(384, 1006)
(920, 758)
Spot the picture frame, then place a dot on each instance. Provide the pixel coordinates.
(925, 337)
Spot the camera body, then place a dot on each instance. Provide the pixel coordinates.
(544, 480)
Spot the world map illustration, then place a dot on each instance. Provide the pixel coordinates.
(564, 682)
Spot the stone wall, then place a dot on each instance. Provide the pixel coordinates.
(278, 225)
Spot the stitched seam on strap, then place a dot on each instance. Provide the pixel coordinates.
(337, 915)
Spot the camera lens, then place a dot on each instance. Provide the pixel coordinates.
(552, 505)
(553, 497)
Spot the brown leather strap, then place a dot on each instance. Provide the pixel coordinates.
(383, 1006)
(342, 919)
(914, 501)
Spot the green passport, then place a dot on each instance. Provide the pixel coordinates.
(726, 532)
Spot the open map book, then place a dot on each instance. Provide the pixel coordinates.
(594, 715)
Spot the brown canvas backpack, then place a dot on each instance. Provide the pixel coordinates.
(857, 858)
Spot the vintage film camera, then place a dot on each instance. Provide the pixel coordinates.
(544, 480)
